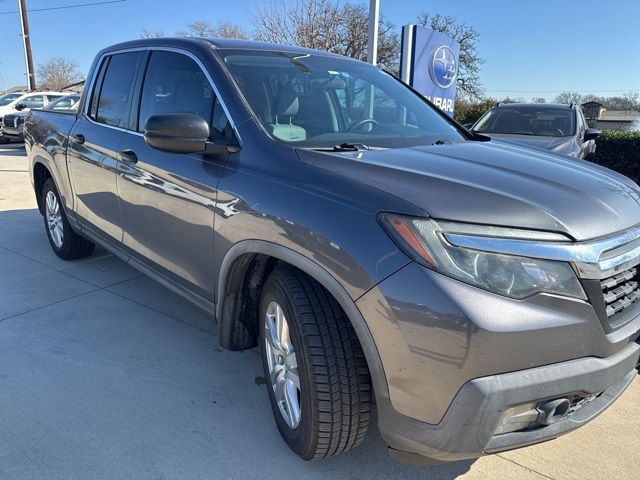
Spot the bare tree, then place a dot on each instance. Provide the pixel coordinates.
(202, 28)
(325, 25)
(152, 34)
(468, 80)
(199, 28)
(539, 100)
(569, 97)
(230, 30)
(58, 73)
(593, 98)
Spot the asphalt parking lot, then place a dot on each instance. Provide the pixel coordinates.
(106, 374)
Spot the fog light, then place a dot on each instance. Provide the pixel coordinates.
(517, 418)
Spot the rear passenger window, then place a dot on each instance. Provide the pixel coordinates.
(113, 90)
(36, 101)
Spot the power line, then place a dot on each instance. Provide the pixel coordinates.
(67, 6)
(560, 90)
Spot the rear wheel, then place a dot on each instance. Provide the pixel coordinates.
(66, 243)
(317, 377)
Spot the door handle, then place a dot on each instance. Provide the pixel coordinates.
(78, 138)
(128, 156)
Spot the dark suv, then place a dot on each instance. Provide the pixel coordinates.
(560, 128)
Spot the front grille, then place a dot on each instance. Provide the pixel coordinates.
(10, 121)
(620, 292)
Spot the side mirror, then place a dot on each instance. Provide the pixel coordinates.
(20, 107)
(591, 134)
(468, 126)
(177, 132)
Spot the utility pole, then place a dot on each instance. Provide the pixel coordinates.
(24, 23)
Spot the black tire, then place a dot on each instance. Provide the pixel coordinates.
(65, 242)
(334, 397)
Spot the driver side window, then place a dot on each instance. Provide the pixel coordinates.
(175, 83)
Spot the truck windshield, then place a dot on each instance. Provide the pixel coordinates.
(318, 101)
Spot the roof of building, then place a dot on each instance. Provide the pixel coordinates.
(619, 116)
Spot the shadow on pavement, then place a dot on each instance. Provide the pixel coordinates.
(12, 150)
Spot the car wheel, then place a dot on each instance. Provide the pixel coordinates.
(66, 243)
(316, 373)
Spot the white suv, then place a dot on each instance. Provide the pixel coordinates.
(26, 101)
(30, 100)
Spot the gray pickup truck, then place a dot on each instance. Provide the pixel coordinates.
(483, 297)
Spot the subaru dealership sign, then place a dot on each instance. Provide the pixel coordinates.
(429, 64)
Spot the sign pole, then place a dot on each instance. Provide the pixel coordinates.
(372, 44)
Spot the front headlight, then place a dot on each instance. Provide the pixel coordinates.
(425, 241)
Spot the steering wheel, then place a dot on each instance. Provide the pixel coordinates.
(359, 123)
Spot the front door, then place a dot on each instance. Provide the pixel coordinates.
(167, 200)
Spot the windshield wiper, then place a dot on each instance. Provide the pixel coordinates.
(350, 147)
(442, 142)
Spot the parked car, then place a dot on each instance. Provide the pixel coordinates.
(6, 99)
(485, 295)
(28, 100)
(13, 122)
(560, 128)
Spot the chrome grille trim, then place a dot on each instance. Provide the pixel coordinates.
(620, 291)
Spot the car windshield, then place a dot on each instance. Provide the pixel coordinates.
(318, 101)
(69, 102)
(528, 120)
(8, 98)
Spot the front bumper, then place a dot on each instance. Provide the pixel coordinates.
(467, 430)
(455, 358)
(14, 134)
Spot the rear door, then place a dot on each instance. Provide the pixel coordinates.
(93, 146)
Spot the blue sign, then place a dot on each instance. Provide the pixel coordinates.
(430, 64)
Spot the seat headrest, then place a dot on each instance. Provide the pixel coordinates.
(287, 103)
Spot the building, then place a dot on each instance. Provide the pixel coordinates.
(599, 117)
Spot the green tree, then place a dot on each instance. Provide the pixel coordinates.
(467, 111)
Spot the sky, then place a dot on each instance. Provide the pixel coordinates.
(531, 48)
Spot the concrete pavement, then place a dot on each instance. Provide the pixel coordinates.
(106, 374)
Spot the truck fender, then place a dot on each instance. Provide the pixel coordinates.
(248, 263)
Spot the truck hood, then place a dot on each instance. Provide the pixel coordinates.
(496, 184)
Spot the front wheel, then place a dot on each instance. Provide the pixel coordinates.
(317, 377)
(66, 243)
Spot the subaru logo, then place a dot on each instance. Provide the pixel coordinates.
(443, 67)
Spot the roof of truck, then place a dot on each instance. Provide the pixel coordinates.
(219, 43)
